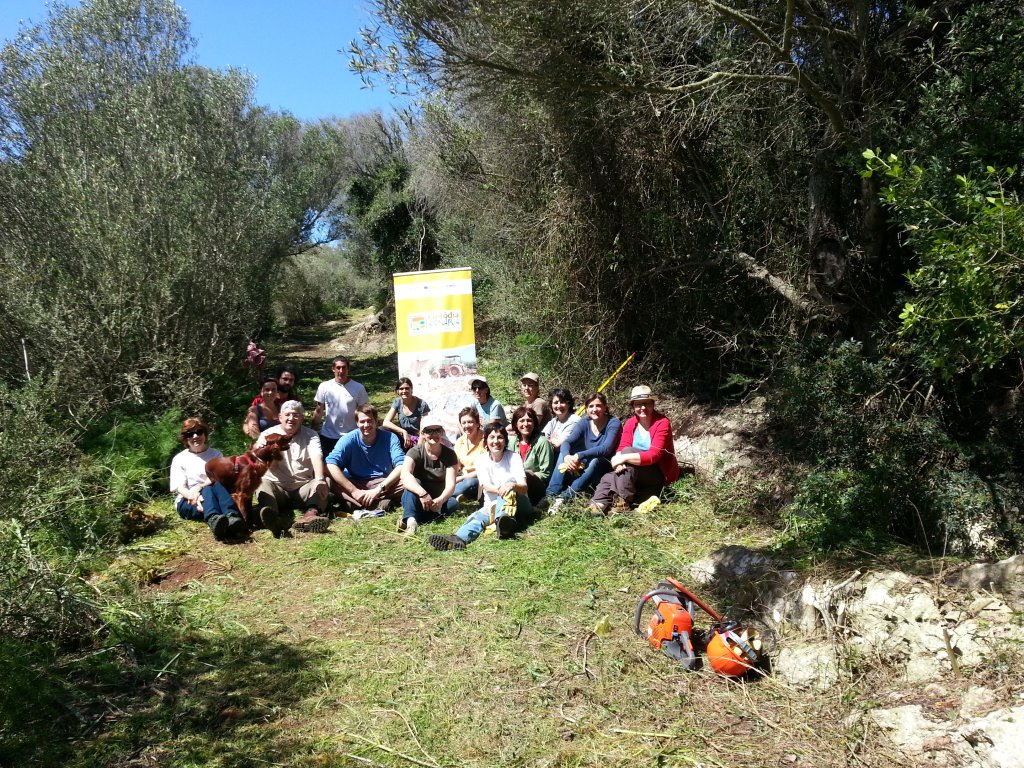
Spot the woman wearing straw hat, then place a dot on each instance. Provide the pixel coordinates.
(646, 460)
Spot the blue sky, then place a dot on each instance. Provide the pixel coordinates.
(291, 46)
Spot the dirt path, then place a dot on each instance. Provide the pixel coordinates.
(352, 335)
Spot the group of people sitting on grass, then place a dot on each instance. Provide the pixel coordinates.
(503, 468)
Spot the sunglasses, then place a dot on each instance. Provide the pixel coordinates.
(479, 386)
(643, 405)
(434, 431)
(194, 433)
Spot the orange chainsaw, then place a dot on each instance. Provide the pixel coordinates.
(731, 650)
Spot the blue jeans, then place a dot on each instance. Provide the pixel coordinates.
(413, 507)
(467, 485)
(564, 487)
(480, 519)
(216, 501)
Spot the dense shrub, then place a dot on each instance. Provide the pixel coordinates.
(320, 283)
(878, 460)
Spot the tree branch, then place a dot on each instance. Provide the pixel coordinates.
(785, 289)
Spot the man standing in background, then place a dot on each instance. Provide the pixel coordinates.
(336, 402)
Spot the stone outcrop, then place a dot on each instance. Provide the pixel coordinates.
(934, 631)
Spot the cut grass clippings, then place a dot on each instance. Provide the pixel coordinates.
(364, 647)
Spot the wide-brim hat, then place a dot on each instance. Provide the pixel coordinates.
(535, 378)
(481, 379)
(641, 393)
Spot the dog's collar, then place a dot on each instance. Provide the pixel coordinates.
(246, 458)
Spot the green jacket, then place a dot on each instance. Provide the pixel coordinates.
(540, 460)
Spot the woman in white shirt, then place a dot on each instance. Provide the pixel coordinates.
(198, 498)
(564, 410)
(502, 480)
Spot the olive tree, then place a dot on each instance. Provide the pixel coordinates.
(140, 214)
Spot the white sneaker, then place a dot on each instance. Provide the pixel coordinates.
(555, 506)
(410, 526)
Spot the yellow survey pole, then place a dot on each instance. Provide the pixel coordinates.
(608, 381)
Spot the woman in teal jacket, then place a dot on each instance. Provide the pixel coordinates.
(536, 452)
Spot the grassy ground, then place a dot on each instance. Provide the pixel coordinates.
(361, 647)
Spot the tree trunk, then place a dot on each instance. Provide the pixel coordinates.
(828, 265)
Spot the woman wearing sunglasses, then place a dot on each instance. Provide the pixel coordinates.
(198, 498)
(645, 462)
(488, 408)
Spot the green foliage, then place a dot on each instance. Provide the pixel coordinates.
(145, 203)
(966, 312)
(880, 463)
(320, 283)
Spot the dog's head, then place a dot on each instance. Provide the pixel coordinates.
(275, 446)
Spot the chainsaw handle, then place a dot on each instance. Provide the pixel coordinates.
(638, 616)
(700, 603)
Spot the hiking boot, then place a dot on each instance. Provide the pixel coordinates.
(311, 522)
(269, 518)
(597, 510)
(464, 498)
(237, 528)
(620, 506)
(219, 525)
(402, 523)
(445, 543)
(505, 526)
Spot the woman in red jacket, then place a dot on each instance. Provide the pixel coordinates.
(646, 460)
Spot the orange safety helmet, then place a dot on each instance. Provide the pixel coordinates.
(729, 654)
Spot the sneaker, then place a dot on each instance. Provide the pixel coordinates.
(312, 522)
(236, 528)
(505, 526)
(464, 498)
(445, 543)
(411, 526)
(555, 506)
(219, 525)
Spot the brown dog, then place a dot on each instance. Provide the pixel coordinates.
(241, 475)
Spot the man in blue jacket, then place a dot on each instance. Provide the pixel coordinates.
(366, 464)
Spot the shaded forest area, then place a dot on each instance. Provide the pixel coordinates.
(816, 202)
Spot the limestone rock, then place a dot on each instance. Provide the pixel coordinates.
(808, 665)
(997, 738)
(977, 701)
(729, 563)
(986, 575)
(909, 729)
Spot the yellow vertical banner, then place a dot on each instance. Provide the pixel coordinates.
(435, 339)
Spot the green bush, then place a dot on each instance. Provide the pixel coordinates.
(880, 461)
(320, 284)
